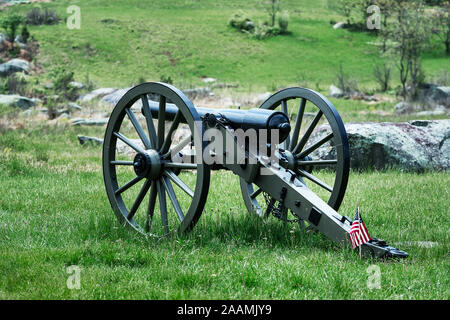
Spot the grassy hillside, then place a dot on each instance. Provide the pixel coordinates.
(119, 43)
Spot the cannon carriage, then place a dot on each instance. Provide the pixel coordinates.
(174, 170)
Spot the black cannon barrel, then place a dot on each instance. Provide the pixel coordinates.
(255, 118)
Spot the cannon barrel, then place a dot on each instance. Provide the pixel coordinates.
(255, 118)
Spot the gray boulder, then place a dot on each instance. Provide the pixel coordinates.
(403, 107)
(339, 25)
(197, 93)
(17, 101)
(76, 85)
(89, 140)
(115, 96)
(411, 146)
(335, 92)
(89, 122)
(436, 94)
(2, 39)
(12, 66)
(98, 93)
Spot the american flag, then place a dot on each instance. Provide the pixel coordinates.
(358, 232)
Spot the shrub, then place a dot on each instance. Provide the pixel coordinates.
(36, 17)
(263, 31)
(283, 21)
(345, 83)
(241, 22)
(165, 79)
(382, 74)
(25, 34)
(61, 84)
(15, 84)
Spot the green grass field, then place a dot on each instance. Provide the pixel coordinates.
(54, 212)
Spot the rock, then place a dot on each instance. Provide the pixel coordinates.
(76, 85)
(260, 98)
(335, 92)
(17, 101)
(74, 106)
(403, 107)
(12, 66)
(208, 80)
(92, 140)
(439, 110)
(96, 94)
(197, 93)
(89, 122)
(339, 25)
(435, 93)
(411, 146)
(115, 96)
(2, 40)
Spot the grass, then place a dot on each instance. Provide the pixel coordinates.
(117, 44)
(54, 213)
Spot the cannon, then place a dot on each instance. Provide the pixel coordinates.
(171, 146)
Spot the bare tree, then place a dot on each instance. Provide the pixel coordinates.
(410, 32)
(382, 73)
(272, 7)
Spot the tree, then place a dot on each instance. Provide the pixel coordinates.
(11, 23)
(409, 33)
(441, 23)
(272, 7)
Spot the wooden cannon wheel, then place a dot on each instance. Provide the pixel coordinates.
(148, 167)
(307, 110)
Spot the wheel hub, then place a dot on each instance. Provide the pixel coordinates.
(148, 164)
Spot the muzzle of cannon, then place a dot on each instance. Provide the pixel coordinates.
(169, 148)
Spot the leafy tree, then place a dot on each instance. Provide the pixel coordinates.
(441, 23)
(10, 24)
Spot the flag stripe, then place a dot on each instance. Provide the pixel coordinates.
(358, 232)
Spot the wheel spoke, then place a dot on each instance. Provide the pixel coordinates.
(138, 128)
(176, 121)
(255, 193)
(161, 120)
(139, 199)
(163, 206)
(151, 207)
(173, 198)
(129, 142)
(121, 163)
(308, 132)
(315, 180)
(286, 142)
(172, 176)
(149, 120)
(316, 162)
(298, 123)
(183, 143)
(315, 146)
(128, 185)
